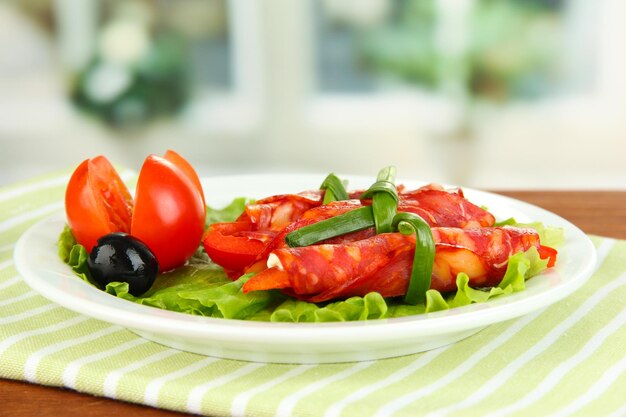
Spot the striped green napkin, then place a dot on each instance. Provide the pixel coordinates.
(568, 359)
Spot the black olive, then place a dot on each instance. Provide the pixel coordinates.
(119, 257)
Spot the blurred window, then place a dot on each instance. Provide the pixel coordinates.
(131, 61)
(205, 26)
(199, 28)
(152, 58)
(519, 50)
(366, 46)
(493, 49)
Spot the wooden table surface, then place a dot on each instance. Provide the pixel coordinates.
(595, 212)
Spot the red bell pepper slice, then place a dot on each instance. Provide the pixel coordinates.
(233, 245)
(546, 252)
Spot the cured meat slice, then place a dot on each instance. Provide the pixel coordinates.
(276, 212)
(274, 217)
(382, 263)
(445, 208)
(436, 207)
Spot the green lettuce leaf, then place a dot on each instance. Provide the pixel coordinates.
(435, 302)
(228, 213)
(548, 235)
(74, 255)
(200, 289)
(66, 243)
(371, 306)
(521, 266)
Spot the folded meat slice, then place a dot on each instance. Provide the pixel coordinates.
(275, 212)
(445, 208)
(438, 208)
(281, 214)
(383, 262)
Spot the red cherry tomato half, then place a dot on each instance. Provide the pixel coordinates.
(232, 245)
(186, 167)
(97, 202)
(169, 212)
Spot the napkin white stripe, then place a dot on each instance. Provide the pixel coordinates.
(603, 250)
(241, 401)
(30, 188)
(548, 340)
(6, 248)
(16, 338)
(10, 282)
(151, 395)
(596, 390)
(6, 263)
(463, 368)
(113, 378)
(71, 370)
(561, 371)
(286, 406)
(18, 298)
(27, 314)
(32, 363)
(29, 215)
(423, 360)
(194, 401)
(620, 412)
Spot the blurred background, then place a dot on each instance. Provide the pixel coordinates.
(482, 93)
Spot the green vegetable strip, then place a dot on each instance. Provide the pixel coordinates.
(384, 199)
(423, 259)
(507, 222)
(329, 196)
(335, 190)
(352, 221)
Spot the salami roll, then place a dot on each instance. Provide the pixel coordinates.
(382, 263)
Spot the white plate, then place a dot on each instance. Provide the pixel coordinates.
(37, 261)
